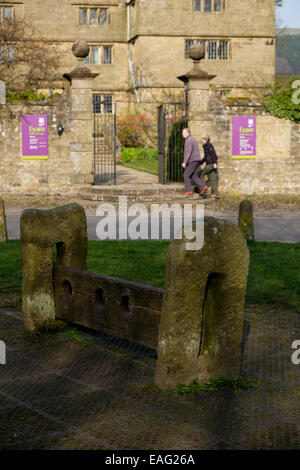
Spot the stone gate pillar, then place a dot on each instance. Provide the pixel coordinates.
(81, 145)
(197, 83)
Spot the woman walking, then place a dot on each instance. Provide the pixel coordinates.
(211, 167)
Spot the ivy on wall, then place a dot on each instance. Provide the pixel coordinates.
(27, 95)
(284, 102)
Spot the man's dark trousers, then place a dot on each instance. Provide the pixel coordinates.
(190, 174)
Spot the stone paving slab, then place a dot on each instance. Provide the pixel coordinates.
(93, 393)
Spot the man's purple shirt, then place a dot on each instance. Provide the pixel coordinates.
(191, 150)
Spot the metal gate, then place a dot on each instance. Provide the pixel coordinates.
(172, 119)
(105, 145)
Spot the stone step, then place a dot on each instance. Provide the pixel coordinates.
(147, 200)
(112, 193)
(132, 197)
(132, 189)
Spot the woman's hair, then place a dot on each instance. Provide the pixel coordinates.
(206, 137)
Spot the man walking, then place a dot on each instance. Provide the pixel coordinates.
(191, 163)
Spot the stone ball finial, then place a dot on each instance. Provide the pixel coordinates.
(80, 49)
(196, 52)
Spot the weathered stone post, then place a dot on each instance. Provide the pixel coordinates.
(64, 227)
(246, 221)
(3, 230)
(201, 328)
(198, 87)
(81, 119)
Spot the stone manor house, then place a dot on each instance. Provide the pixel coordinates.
(140, 47)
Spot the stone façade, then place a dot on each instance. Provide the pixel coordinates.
(153, 34)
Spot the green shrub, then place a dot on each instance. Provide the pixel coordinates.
(280, 102)
(136, 130)
(151, 154)
(130, 154)
(175, 152)
(27, 95)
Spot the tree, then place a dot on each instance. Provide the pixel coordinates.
(25, 62)
(280, 26)
(288, 47)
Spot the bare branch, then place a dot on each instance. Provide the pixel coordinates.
(25, 61)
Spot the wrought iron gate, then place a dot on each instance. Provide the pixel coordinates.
(172, 119)
(105, 145)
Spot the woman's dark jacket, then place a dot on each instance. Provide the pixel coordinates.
(210, 155)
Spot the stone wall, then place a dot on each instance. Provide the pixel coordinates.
(276, 169)
(70, 155)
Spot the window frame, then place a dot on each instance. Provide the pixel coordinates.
(105, 46)
(96, 52)
(87, 60)
(195, 3)
(98, 17)
(212, 49)
(203, 5)
(7, 52)
(106, 16)
(87, 15)
(108, 103)
(102, 105)
(221, 52)
(4, 6)
(219, 55)
(11, 52)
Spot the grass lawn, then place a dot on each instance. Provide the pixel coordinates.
(274, 275)
(148, 166)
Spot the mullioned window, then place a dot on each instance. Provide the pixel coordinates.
(208, 5)
(215, 49)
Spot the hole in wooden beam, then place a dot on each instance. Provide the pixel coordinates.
(67, 288)
(100, 297)
(126, 306)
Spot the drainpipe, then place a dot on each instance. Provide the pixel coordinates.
(128, 52)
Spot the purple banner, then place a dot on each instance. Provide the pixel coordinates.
(244, 137)
(34, 136)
